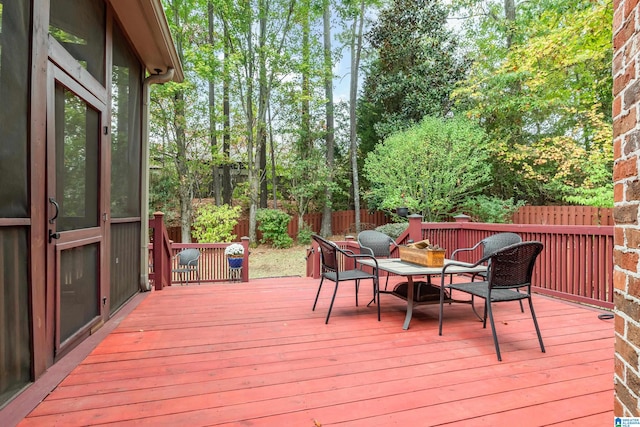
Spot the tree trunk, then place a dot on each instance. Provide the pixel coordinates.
(185, 187)
(510, 16)
(356, 49)
(217, 190)
(253, 160)
(325, 229)
(274, 178)
(226, 112)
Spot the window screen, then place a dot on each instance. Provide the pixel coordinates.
(125, 129)
(14, 114)
(80, 27)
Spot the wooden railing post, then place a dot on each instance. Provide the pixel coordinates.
(461, 238)
(313, 261)
(158, 264)
(161, 255)
(245, 262)
(415, 227)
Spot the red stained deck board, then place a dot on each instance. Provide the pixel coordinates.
(255, 353)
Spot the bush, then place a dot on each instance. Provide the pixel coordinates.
(393, 230)
(273, 224)
(304, 235)
(491, 209)
(430, 168)
(214, 224)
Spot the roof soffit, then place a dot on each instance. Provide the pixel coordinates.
(145, 24)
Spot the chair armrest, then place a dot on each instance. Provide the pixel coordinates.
(371, 257)
(453, 254)
(464, 264)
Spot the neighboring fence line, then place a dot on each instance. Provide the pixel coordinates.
(563, 215)
(343, 222)
(576, 263)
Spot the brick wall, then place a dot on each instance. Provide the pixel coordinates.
(626, 146)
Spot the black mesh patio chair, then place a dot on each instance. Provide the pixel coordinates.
(187, 264)
(509, 279)
(378, 244)
(490, 245)
(332, 269)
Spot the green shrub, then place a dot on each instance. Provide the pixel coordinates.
(491, 209)
(304, 235)
(393, 230)
(273, 224)
(214, 224)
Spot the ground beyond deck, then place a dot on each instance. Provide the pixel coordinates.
(254, 354)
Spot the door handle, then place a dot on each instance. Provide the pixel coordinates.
(53, 235)
(57, 206)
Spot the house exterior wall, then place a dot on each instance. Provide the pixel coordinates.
(626, 146)
(34, 47)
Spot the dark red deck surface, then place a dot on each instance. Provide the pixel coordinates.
(254, 354)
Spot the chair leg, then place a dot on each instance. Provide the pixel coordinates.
(493, 328)
(335, 291)
(535, 323)
(357, 289)
(376, 291)
(387, 282)
(318, 294)
(473, 307)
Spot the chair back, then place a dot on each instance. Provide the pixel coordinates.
(498, 241)
(512, 267)
(328, 253)
(375, 243)
(188, 257)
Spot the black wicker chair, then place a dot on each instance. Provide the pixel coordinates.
(509, 279)
(490, 245)
(332, 269)
(377, 244)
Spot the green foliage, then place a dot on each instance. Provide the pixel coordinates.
(418, 65)
(304, 234)
(431, 168)
(490, 209)
(274, 224)
(163, 196)
(541, 88)
(214, 224)
(393, 230)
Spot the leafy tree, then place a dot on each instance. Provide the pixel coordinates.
(541, 88)
(418, 64)
(431, 168)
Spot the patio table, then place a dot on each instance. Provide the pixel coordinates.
(409, 270)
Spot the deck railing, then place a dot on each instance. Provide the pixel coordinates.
(576, 263)
(212, 264)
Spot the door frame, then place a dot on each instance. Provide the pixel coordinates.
(81, 237)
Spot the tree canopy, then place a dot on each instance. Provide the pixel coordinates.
(521, 90)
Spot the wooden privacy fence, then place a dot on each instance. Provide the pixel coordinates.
(563, 215)
(576, 263)
(342, 222)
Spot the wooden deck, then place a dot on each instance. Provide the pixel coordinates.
(254, 354)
